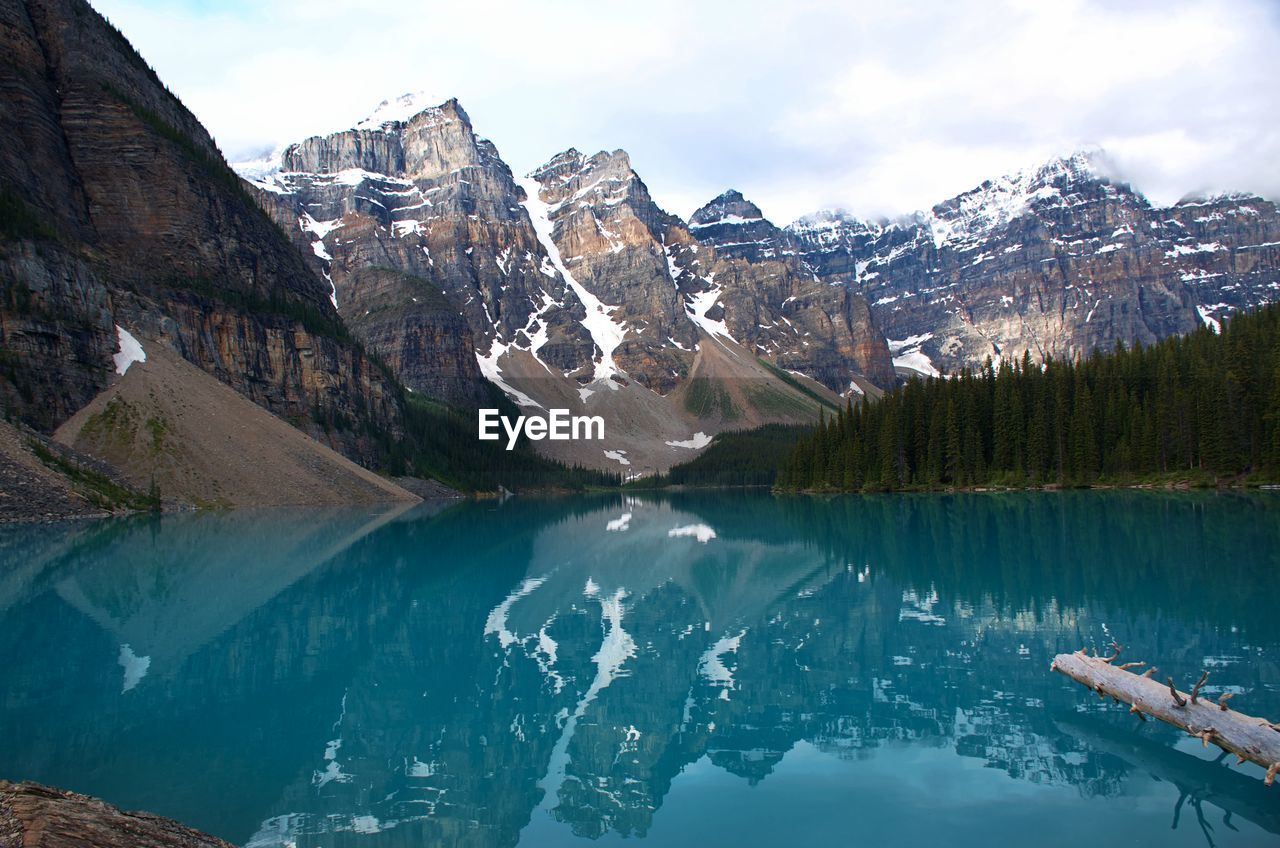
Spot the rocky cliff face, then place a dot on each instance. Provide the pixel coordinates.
(727, 274)
(414, 190)
(568, 288)
(1053, 261)
(781, 308)
(600, 224)
(116, 208)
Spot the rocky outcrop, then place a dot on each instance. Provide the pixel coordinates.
(780, 308)
(611, 239)
(1051, 261)
(116, 208)
(38, 816)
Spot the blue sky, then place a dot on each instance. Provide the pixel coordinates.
(881, 108)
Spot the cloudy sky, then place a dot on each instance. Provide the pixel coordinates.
(878, 107)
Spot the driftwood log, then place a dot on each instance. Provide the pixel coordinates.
(1254, 739)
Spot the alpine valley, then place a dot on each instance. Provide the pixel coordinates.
(402, 262)
(805, 514)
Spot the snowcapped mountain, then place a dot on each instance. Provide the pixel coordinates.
(1054, 260)
(568, 288)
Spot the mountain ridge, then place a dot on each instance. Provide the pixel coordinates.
(1067, 259)
(637, 291)
(575, 287)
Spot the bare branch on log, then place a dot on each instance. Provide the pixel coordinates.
(1129, 665)
(1115, 646)
(1195, 690)
(1178, 699)
(1150, 672)
(1133, 708)
(1222, 702)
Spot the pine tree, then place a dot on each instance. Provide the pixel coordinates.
(1209, 403)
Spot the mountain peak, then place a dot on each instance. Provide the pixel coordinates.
(562, 167)
(997, 201)
(1085, 163)
(406, 107)
(573, 164)
(824, 219)
(729, 208)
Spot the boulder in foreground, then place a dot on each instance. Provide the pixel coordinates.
(35, 816)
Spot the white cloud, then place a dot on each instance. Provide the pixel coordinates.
(879, 107)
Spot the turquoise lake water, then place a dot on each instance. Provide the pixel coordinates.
(692, 670)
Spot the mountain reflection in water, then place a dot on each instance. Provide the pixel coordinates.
(695, 669)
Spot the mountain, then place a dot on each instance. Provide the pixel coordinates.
(781, 308)
(669, 280)
(568, 288)
(118, 210)
(388, 205)
(1055, 261)
(736, 227)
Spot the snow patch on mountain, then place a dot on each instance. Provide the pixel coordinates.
(606, 332)
(907, 354)
(698, 304)
(726, 220)
(997, 202)
(699, 441)
(400, 109)
(130, 351)
(493, 372)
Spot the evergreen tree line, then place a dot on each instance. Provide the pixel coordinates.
(1201, 407)
(440, 442)
(735, 458)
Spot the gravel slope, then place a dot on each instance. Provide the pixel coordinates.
(204, 444)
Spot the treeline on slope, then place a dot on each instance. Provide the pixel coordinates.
(1201, 407)
(440, 442)
(734, 458)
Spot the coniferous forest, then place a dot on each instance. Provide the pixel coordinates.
(1203, 407)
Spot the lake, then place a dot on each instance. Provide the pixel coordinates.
(707, 669)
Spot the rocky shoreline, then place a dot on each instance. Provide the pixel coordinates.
(36, 480)
(37, 816)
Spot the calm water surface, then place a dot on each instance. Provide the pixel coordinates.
(698, 670)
